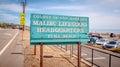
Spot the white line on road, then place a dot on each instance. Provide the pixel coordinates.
(84, 54)
(8, 43)
(95, 58)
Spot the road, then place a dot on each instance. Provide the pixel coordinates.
(11, 52)
(100, 59)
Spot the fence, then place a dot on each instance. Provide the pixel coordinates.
(97, 57)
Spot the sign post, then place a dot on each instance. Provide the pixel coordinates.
(71, 51)
(79, 54)
(34, 49)
(22, 22)
(58, 29)
(41, 54)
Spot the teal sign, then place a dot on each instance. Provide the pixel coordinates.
(58, 29)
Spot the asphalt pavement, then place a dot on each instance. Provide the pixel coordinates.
(100, 58)
(11, 52)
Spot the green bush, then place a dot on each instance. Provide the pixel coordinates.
(115, 50)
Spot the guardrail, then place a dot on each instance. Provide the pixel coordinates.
(110, 59)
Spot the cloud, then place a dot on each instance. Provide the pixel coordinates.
(8, 16)
(67, 7)
(73, 0)
(1, 11)
(11, 7)
(31, 9)
(15, 7)
(111, 1)
(116, 11)
(102, 21)
(105, 3)
(100, 12)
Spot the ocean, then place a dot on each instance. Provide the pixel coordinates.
(115, 31)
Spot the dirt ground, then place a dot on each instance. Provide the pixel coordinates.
(52, 56)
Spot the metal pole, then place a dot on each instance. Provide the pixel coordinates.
(41, 54)
(92, 57)
(79, 54)
(109, 60)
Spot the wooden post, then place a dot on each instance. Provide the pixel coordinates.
(71, 51)
(79, 54)
(34, 49)
(66, 47)
(41, 54)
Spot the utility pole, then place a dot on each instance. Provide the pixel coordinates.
(22, 21)
(23, 4)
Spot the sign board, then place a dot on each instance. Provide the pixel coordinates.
(57, 29)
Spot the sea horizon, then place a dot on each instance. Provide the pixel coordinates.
(115, 31)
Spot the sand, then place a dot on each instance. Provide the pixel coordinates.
(52, 56)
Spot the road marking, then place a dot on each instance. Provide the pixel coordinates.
(95, 58)
(8, 43)
(84, 54)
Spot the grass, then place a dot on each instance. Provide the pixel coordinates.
(98, 46)
(117, 50)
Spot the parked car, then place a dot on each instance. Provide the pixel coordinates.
(93, 40)
(95, 36)
(111, 44)
(101, 41)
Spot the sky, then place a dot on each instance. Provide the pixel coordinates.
(103, 14)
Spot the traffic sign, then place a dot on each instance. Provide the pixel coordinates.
(22, 15)
(22, 22)
(22, 19)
